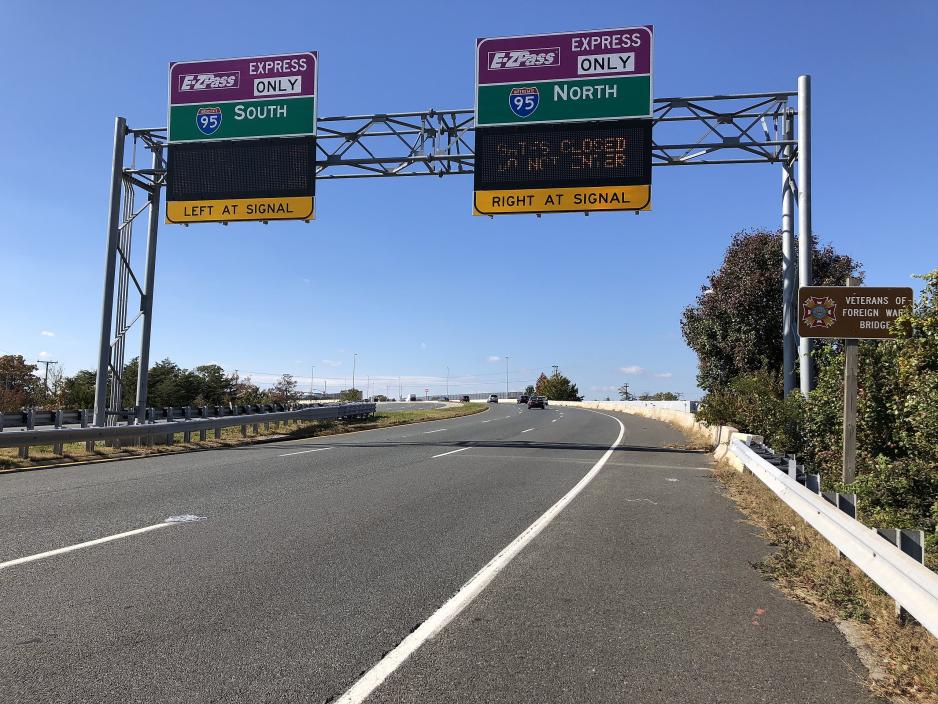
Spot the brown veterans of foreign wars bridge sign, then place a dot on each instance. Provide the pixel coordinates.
(850, 312)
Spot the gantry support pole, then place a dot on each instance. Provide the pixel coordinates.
(805, 253)
(789, 277)
(110, 266)
(146, 301)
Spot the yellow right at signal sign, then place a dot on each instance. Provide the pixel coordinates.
(563, 168)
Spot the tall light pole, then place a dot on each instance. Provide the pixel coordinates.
(447, 382)
(354, 361)
(312, 376)
(506, 376)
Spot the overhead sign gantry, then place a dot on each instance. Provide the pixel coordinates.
(255, 170)
(563, 122)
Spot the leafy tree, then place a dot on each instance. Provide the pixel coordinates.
(529, 389)
(170, 385)
(19, 386)
(350, 395)
(380, 398)
(245, 391)
(78, 390)
(129, 384)
(215, 387)
(735, 327)
(557, 387)
(284, 390)
(625, 394)
(540, 386)
(660, 396)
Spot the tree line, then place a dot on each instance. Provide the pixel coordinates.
(168, 384)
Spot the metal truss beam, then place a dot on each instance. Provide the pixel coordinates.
(714, 129)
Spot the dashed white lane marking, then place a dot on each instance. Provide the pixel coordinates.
(437, 621)
(98, 541)
(303, 452)
(528, 430)
(489, 420)
(555, 420)
(439, 430)
(507, 417)
(451, 452)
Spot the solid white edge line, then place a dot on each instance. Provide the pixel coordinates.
(79, 546)
(303, 452)
(528, 430)
(451, 452)
(372, 679)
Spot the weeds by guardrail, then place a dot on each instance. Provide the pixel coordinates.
(893, 559)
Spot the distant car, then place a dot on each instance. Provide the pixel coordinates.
(465, 399)
(523, 398)
(537, 402)
(413, 397)
(444, 398)
(493, 398)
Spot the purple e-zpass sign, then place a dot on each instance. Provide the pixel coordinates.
(575, 76)
(249, 78)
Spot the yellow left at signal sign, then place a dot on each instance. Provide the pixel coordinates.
(240, 209)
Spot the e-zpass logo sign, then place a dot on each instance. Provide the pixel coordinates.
(209, 81)
(524, 58)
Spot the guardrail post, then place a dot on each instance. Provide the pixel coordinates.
(848, 504)
(912, 543)
(255, 428)
(813, 483)
(169, 419)
(187, 435)
(204, 415)
(30, 418)
(151, 419)
(83, 419)
(793, 467)
(57, 447)
(244, 431)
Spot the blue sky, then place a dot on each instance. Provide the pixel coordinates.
(398, 271)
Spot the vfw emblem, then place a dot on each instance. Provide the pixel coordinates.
(208, 120)
(819, 312)
(523, 101)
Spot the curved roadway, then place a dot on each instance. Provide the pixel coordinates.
(316, 557)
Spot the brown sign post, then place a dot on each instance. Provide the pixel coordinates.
(850, 312)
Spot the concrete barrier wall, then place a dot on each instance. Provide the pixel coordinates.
(717, 437)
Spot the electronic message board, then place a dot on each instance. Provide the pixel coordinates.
(242, 139)
(850, 312)
(563, 122)
(563, 168)
(593, 75)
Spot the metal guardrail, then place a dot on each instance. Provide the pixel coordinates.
(58, 436)
(913, 586)
(31, 418)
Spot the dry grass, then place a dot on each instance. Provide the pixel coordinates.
(807, 567)
(75, 453)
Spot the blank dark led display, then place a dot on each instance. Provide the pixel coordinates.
(259, 168)
(560, 155)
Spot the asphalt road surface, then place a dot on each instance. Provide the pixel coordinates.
(315, 559)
